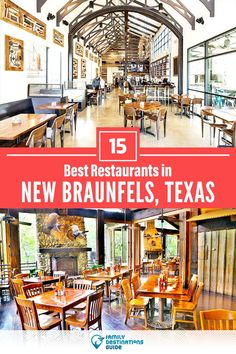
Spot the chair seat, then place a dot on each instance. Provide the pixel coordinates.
(48, 322)
(139, 302)
(80, 307)
(76, 320)
(183, 305)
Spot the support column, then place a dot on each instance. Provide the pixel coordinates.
(180, 64)
(126, 44)
(70, 57)
(13, 245)
(100, 239)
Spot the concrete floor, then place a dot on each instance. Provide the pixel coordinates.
(181, 132)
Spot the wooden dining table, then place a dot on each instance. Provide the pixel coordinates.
(144, 107)
(108, 277)
(151, 288)
(226, 115)
(59, 107)
(60, 304)
(47, 279)
(11, 131)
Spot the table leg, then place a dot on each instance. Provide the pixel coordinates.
(161, 310)
(63, 320)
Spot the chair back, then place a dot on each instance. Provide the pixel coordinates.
(82, 284)
(127, 290)
(58, 122)
(94, 308)
(136, 283)
(22, 276)
(197, 101)
(197, 293)
(142, 98)
(69, 113)
(218, 319)
(185, 101)
(128, 275)
(192, 285)
(37, 137)
(32, 290)
(17, 285)
(87, 272)
(162, 113)
(122, 99)
(129, 112)
(28, 314)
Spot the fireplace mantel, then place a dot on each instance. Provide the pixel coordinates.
(65, 250)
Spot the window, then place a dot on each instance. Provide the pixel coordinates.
(116, 244)
(171, 246)
(28, 238)
(162, 42)
(211, 70)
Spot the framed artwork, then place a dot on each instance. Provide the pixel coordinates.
(90, 56)
(83, 69)
(35, 61)
(14, 54)
(86, 53)
(58, 38)
(75, 69)
(79, 49)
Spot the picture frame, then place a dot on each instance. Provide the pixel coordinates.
(14, 54)
(58, 38)
(83, 68)
(79, 49)
(75, 69)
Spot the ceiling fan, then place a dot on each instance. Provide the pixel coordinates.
(170, 219)
(130, 227)
(9, 219)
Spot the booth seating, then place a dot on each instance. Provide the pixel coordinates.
(11, 109)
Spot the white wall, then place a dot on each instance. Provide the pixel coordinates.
(13, 85)
(110, 71)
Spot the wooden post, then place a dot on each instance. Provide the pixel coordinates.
(100, 237)
(13, 245)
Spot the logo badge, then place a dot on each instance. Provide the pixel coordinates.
(97, 340)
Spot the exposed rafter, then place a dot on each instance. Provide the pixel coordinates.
(40, 4)
(179, 7)
(210, 5)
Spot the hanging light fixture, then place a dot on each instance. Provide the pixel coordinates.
(161, 9)
(91, 4)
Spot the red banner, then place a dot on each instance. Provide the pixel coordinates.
(117, 173)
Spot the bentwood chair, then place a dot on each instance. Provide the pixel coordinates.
(130, 115)
(30, 319)
(187, 308)
(84, 285)
(92, 315)
(134, 306)
(218, 319)
(57, 127)
(122, 100)
(161, 116)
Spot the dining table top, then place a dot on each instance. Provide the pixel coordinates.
(144, 106)
(151, 288)
(10, 129)
(59, 106)
(107, 275)
(72, 297)
(226, 115)
(46, 279)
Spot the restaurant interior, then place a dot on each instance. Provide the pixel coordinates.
(118, 269)
(69, 66)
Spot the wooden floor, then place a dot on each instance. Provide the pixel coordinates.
(114, 313)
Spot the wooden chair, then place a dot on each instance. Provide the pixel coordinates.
(97, 284)
(92, 315)
(57, 127)
(84, 285)
(37, 138)
(187, 308)
(30, 319)
(32, 290)
(196, 102)
(228, 133)
(184, 105)
(122, 100)
(142, 98)
(17, 285)
(211, 122)
(161, 116)
(116, 288)
(130, 115)
(69, 117)
(174, 101)
(21, 276)
(134, 305)
(218, 319)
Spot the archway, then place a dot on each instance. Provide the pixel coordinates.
(153, 14)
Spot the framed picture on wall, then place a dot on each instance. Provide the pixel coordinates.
(86, 53)
(35, 61)
(175, 66)
(75, 69)
(83, 69)
(58, 38)
(14, 54)
(79, 49)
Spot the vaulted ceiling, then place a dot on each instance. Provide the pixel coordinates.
(104, 25)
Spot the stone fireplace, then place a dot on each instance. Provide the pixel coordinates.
(57, 251)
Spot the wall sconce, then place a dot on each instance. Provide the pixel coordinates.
(50, 16)
(91, 4)
(200, 20)
(66, 23)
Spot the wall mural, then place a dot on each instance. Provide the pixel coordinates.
(83, 69)
(36, 61)
(14, 54)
